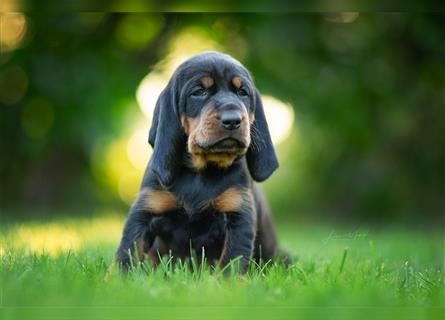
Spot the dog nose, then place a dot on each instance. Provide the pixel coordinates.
(231, 120)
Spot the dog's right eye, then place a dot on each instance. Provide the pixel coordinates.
(200, 92)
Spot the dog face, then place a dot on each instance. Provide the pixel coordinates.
(211, 110)
(217, 115)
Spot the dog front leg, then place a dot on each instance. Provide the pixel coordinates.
(136, 237)
(240, 236)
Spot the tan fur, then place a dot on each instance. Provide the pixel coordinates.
(185, 124)
(202, 128)
(158, 201)
(251, 118)
(199, 161)
(236, 81)
(232, 200)
(222, 160)
(207, 127)
(189, 124)
(207, 82)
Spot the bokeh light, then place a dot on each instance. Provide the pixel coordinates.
(136, 31)
(120, 163)
(55, 238)
(148, 91)
(280, 118)
(50, 239)
(137, 154)
(128, 185)
(13, 27)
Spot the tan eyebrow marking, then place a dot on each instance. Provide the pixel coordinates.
(236, 81)
(207, 81)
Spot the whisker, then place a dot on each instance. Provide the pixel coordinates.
(257, 141)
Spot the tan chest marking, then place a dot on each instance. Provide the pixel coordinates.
(157, 201)
(233, 200)
(223, 160)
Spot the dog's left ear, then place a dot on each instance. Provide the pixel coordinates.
(166, 137)
(261, 158)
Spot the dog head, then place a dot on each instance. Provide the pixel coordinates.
(211, 110)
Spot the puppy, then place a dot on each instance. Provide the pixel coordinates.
(198, 196)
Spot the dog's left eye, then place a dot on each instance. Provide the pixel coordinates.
(199, 92)
(242, 92)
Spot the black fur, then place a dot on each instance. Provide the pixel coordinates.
(196, 227)
(166, 136)
(261, 157)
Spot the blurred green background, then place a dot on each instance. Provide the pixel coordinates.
(355, 103)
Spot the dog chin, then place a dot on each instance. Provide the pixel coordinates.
(222, 153)
(226, 145)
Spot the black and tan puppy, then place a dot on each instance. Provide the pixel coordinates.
(198, 195)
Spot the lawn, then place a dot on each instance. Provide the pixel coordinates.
(56, 270)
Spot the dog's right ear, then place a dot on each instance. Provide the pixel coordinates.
(167, 137)
(261, 158)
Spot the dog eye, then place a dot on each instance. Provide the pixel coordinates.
(242, 92)
(199, 92)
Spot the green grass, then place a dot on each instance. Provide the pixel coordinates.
(56, 270)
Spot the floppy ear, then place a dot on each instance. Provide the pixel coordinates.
(154, 125)
(261, 158)
(166, 137)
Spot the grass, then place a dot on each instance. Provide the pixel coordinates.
(56, 270)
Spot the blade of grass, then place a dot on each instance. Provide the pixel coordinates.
(343, 260)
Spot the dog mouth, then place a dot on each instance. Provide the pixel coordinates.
(225, 145)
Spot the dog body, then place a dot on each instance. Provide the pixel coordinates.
(198, 196)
